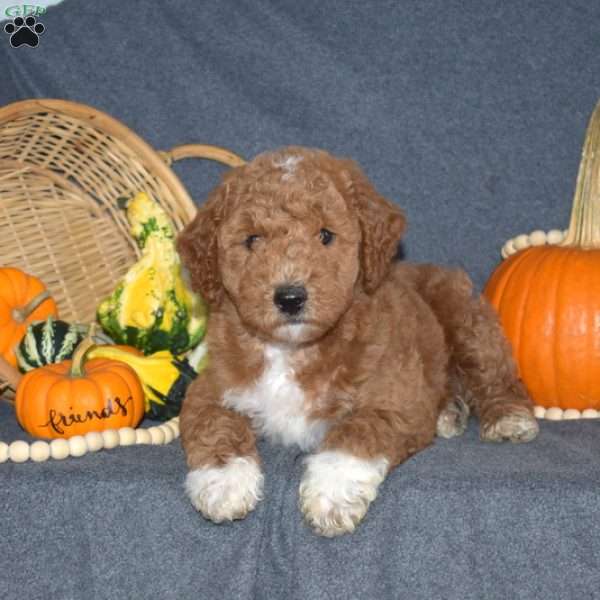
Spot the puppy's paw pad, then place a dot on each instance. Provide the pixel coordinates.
(226, 493)
(518, 425)
(337, 489)
(452, 421)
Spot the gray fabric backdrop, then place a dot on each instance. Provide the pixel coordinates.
(470, 115)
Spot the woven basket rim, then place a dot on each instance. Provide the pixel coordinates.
(111, 126)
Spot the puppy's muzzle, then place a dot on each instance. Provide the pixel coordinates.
(290, 299)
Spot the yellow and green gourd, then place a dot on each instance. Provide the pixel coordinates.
(164, 377)
(152, 308)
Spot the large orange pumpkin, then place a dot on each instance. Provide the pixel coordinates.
(548, 298)
(23, 299)
(77, 396)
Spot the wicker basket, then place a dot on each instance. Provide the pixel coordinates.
(62, 167)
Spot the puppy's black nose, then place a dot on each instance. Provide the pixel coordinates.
(290, 299)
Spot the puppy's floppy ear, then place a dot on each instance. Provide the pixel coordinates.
(382, 224)
(197, 245)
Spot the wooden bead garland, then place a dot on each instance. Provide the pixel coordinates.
(79, 445)
(539, 238)
(535, 238)
(558, 414)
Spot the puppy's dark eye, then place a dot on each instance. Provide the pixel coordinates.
(250, 240)
(326, 237)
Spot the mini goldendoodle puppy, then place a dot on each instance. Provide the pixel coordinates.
(317, 338)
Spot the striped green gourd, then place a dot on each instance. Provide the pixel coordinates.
(47, 342)
(51, 341)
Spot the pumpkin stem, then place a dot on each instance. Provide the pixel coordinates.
(584, 228)
(86, 344)
(20, 314)
(9, 374)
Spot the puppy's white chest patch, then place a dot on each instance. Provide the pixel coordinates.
(276, 404)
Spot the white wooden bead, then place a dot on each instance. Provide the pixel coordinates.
(142, 436)
(18, 451)
(521, 241)
(110, 437)
(77, 446)
(554, 414)
(174, 427)
(167, 432)
(94, 441)
(158, 437)
(539, 411)
(572, 413)
(537, 237)
(59, 449)
(3, 452)
(555, 236)
(590, 413)
(127, 436)
(39, 451)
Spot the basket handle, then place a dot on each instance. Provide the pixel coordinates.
(202, 151)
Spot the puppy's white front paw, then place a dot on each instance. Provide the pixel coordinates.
(337, 488)
(226, 493)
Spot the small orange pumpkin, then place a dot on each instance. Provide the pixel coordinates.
(23, 299)
(77, 396)
(548, 299)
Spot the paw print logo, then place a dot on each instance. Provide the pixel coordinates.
(24, 31)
